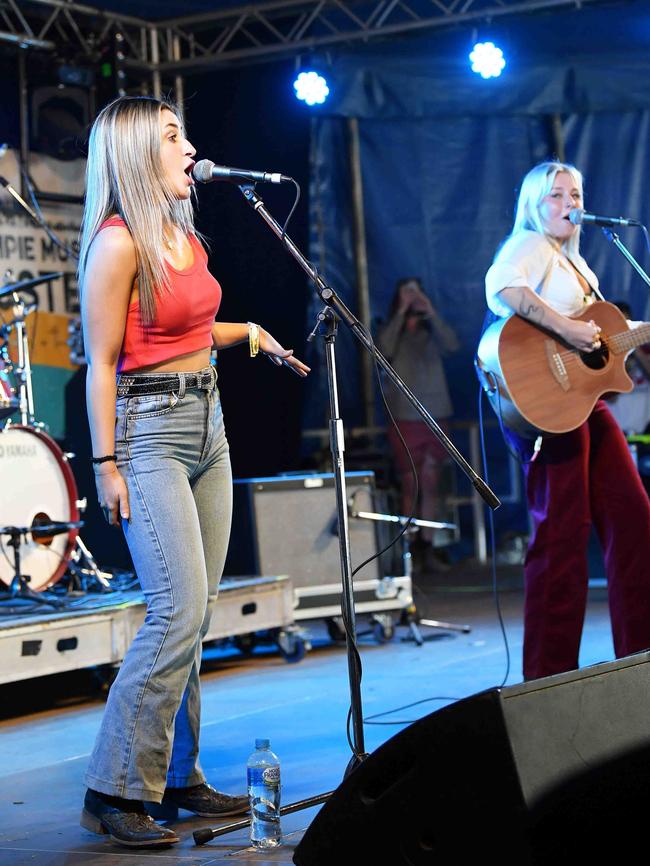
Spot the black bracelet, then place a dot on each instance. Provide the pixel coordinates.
(105, 459)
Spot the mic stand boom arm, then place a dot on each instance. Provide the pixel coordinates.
(334, 302)
(613, 238)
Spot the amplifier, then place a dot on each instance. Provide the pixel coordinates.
(288, 525)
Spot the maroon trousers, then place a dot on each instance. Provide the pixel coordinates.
(582, 478)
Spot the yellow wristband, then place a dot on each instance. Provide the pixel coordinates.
(253, 338)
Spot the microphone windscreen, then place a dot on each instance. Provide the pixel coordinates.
(202, 171)
(575, 215)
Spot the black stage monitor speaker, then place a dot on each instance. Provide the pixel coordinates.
(552, 771)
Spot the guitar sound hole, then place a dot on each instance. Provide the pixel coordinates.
(596, 360)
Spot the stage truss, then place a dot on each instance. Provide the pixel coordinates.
(254, 32)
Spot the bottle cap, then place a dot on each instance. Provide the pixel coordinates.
(262, 744)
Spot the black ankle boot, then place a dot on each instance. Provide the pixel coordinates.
(125, 821)
(205, 801)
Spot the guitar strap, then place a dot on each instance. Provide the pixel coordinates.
(582, 278)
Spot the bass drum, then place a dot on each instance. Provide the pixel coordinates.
(38, 487)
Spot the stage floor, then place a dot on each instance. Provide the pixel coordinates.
(48, 725)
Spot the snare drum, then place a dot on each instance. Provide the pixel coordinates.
(38, 487)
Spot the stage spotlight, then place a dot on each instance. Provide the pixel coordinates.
(487, 60)
(311, 88)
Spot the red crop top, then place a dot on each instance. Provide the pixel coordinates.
(184, 314)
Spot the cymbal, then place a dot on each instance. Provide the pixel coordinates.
(24, 285)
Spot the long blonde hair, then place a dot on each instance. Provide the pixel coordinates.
(125, 177)
(538, 183)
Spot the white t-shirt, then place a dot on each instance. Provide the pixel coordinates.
(530, 259)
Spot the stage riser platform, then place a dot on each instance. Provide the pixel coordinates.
(41, 643)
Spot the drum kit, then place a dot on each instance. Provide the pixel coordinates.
(40, 507)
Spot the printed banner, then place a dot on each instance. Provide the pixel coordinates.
(26, 251)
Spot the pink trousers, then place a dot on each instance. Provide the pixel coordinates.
(582, 478)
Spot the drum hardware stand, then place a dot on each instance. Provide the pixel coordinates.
(84, 562)
(334, 311)
(24, 368)
(410, 618)
(20, 584)
(9, 403)
(20, 312)
(83, 567)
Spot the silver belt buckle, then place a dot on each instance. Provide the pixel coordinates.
(123, 385)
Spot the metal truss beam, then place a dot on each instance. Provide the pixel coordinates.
(57, 24)
(256, 32)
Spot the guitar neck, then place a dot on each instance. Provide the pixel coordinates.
(630, 339)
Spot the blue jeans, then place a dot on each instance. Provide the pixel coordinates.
(172, 451)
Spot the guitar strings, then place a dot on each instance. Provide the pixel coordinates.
(615, 342)
(605, 343)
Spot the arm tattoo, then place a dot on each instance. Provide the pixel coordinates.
(531, 311)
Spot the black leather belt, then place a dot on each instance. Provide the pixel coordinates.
(165, 383)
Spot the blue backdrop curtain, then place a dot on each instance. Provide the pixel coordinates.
(442, 155)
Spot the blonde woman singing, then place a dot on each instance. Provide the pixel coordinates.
(581, 478)
(160, 456)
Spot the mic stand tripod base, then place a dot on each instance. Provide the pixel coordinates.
(20, 583)
(207, 834)
(19, 590)
(416, 635)
(410, 618)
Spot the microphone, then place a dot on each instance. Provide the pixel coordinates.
(56, 527)
(580, 217)
(205, 171)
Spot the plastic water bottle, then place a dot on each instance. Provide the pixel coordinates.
(263, 771)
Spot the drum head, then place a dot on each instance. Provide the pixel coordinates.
(37, 488)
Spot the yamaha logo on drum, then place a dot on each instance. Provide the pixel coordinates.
(17, 451)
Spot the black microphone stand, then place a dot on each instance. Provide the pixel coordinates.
(19, 588)
(613, 238)
(335, 311)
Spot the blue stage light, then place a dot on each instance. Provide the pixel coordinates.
(311, 88)
(487, 60)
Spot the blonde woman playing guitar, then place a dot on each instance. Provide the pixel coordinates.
(584, 476)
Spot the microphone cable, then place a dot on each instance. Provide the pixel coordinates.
(493, 547)
(372, 720)
(293, 207)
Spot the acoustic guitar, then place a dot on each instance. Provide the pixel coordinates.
(538, 383)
